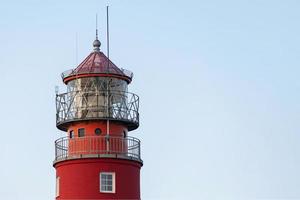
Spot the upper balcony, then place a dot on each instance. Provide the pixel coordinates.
(97, 147)
(97, 105)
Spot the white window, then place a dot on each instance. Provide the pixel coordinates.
(57, 186)
(107, 182)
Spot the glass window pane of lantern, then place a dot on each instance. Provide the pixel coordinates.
(91, 97)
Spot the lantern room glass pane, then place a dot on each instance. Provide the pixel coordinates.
(97, 84)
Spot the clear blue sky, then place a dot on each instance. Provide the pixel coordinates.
(218, 81)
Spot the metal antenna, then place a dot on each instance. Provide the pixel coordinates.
(96, 43)
(76, 46)
(96, 26)
(107, 35)
(107, 71)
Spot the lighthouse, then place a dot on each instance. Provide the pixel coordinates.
(96, 158)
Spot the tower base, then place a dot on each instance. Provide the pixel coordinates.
(80, 179)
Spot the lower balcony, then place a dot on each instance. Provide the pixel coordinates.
(97, 147)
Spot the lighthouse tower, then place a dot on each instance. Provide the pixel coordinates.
(97, 159)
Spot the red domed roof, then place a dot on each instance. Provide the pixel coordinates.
(96, 64)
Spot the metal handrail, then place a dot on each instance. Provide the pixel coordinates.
(72, 72)
(97, 146)
(121, 105)
(125, 93)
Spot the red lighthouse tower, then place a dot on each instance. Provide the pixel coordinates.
(97, 159)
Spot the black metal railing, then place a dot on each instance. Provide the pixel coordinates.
(82, 105)
(73, 72)
(97, 146)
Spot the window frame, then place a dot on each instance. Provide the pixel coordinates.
(57, 187)
(83, 129)
(113, 185)
(71, 134)
(96, 129)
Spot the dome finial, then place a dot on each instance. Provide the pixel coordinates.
(96, 43)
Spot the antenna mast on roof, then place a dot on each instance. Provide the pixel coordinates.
(96, 26)
(76, 46)
(96, 43)
(107, 37)
(107, 71)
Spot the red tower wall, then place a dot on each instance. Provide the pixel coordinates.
(92, 143)
(115, 129)
(79, 179)
(80, 159)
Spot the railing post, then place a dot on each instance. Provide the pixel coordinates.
(107, 143)
(139, 147)
(65, 147)
(55, 151)
(126, 146)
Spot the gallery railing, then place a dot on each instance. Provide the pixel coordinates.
(73, 72)
(82, 105)
(97, 147)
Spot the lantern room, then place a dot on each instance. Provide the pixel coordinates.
(97, 89)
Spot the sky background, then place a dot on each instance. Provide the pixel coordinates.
(218, 83)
